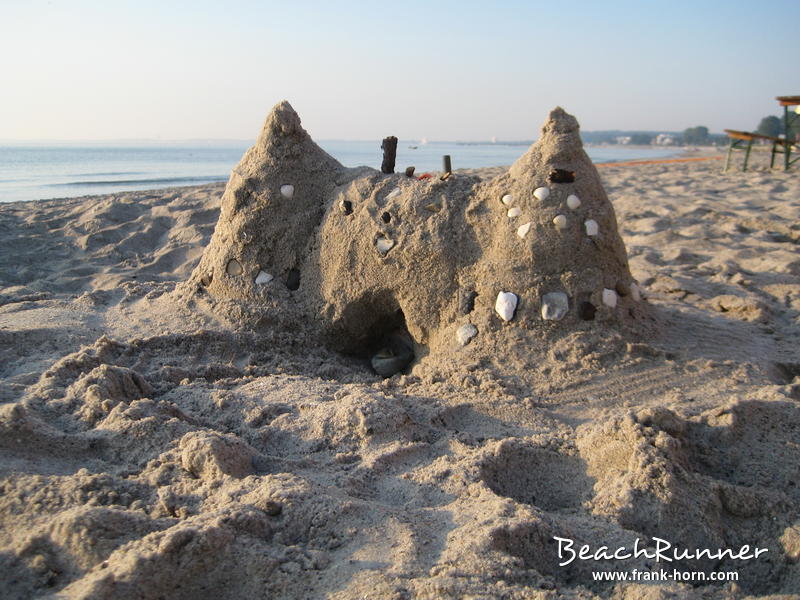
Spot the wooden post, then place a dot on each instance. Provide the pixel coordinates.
(389, 147)
(446, 167)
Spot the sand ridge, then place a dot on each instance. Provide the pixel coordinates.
(153, 446)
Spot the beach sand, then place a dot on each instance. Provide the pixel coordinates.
(154, 448)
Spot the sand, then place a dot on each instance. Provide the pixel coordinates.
(160, 443)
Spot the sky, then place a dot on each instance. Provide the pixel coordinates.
(175, 70)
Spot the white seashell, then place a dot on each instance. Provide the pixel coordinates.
(263, 278)
(508, 199)
(609, 297)
(560, 221)
(592, 228)
(395, 192)
(523, 230)
(635, 293)
(465, 333)
(514, 212)
(541, 193)
(573, 201)
(384, 245)
(287, 191)
(554, 306)
(506, 305)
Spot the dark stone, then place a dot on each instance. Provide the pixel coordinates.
(293, 279)
(561, 176)
(587, 311)
(466, 301)
(410, 171)
(347, 207)
(386, 217)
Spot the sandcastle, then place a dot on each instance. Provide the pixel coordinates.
(390, 266)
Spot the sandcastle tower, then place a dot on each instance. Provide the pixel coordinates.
(381, 264)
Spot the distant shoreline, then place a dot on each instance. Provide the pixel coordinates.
(29, 173)
(483, 172)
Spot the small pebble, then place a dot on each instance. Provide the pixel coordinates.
(384, 245)
(514, 212)
(287, 191)
(465, 333)
(523, 230)
(233, 268)
(609, 297)
(506, 305)
(635, 292)
(573, 201)
(263, 278)
(560, 221)
(394, 193)
(541, 193)
(508, 199)
(554, 306)
(591, 227)
(466, 301)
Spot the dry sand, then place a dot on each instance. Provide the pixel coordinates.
(158, 444)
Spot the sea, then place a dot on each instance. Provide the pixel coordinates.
(32, 172)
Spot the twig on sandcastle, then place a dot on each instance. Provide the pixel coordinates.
(391, 267)
(389, 147)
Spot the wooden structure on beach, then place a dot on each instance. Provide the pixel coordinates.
(786, 144)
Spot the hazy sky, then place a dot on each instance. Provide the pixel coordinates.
(77, 69)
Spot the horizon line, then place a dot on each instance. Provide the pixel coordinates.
(250, 141)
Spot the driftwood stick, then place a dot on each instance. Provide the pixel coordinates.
(389, 147)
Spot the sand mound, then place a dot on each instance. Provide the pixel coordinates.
(160, 439)
(364, 258)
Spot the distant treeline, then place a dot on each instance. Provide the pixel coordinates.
(693, 136)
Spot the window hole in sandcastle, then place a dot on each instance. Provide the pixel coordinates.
(587, 310)
(386, 217)
(293, 279)
(561, 176)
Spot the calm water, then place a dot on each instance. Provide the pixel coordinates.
(35, 172)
